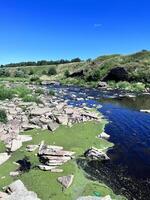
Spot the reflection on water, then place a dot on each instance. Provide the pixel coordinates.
(128, 171)
(140, 102)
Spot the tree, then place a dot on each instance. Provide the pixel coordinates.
(76, 60)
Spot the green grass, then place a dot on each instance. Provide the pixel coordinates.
(5, 93)
(78, 138)
(3, 116)
(2, 147)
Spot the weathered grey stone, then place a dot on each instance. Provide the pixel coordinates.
(32, 148)
(52, 126)
(4, 157)
(94, 198)
(96, 154)
(66, 181)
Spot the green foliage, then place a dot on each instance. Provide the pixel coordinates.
(5, 93)
(39, 91)
(20, 73)
(67, 73)
(4, 72)
(3, 116)
(31, 98)
(21, 91)
(51, 93)
(35, 79)
(93, 76)
(52, 71)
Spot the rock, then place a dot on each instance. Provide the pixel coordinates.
(66, 181)
(62, 119)
(79, 73)
(96, 154)
(27, 127)
(146, 111)
(102, 84)
(4, 157)
(32, 148)
(17, 190)
(14, 145)
(117, 74)
(40, 111)
(3, 196)
(55, 170)
(46, 167)
(24, 138)
(104, 135)
(52, 126)
(14, 173)
(95, 198)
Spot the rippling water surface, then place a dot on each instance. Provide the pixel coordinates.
(128, 171)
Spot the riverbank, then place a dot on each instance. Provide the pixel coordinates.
(74, 136)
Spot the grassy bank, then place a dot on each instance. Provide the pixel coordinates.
(78, 138)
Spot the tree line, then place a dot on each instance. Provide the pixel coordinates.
(41, 62)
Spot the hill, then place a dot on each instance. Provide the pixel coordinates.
(110, 68)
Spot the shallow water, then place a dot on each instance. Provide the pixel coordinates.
(128, 171)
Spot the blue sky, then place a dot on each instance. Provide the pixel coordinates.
(54, 29)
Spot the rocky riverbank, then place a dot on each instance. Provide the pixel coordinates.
(67, 133)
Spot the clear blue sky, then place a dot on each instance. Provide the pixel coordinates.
(54, 29)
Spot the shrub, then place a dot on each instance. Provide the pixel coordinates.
(52, 71)
(5, 93)
(51, 93)
(3, 116)
(93, 76)
(21, 91)
(67, 73)
(39, 91)
(35, 79)
(30, 98)
(20, 73)
(31, 72)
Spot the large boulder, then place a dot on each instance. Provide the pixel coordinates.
(17, 190)
(117, 74)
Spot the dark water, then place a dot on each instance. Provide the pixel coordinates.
(128, 171)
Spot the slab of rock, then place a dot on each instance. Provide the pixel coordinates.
(66, 181)
(55, 170)
(96, 154)
(31, 147)
(17, 191)
(14, 173)
(62, 119)
(14, 145)
(146, 111)
(52, 126)
(104, 135)
(4, 157)
(46, 167)
(40, 111)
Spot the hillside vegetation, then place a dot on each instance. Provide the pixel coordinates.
(132, 68)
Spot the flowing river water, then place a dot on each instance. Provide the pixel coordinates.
(128, 170)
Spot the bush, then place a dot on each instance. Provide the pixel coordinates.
(30, 98)
(3, 116)
(51, 93)
(93, 76)
(5, 93)
(39, 91)
(21, 91)
(31, 72)
(35, 79)
(52, 71)
(20, 73)
(67, 73)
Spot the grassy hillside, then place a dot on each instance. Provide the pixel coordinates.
(88, 72)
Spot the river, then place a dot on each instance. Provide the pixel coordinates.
(128, 171)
